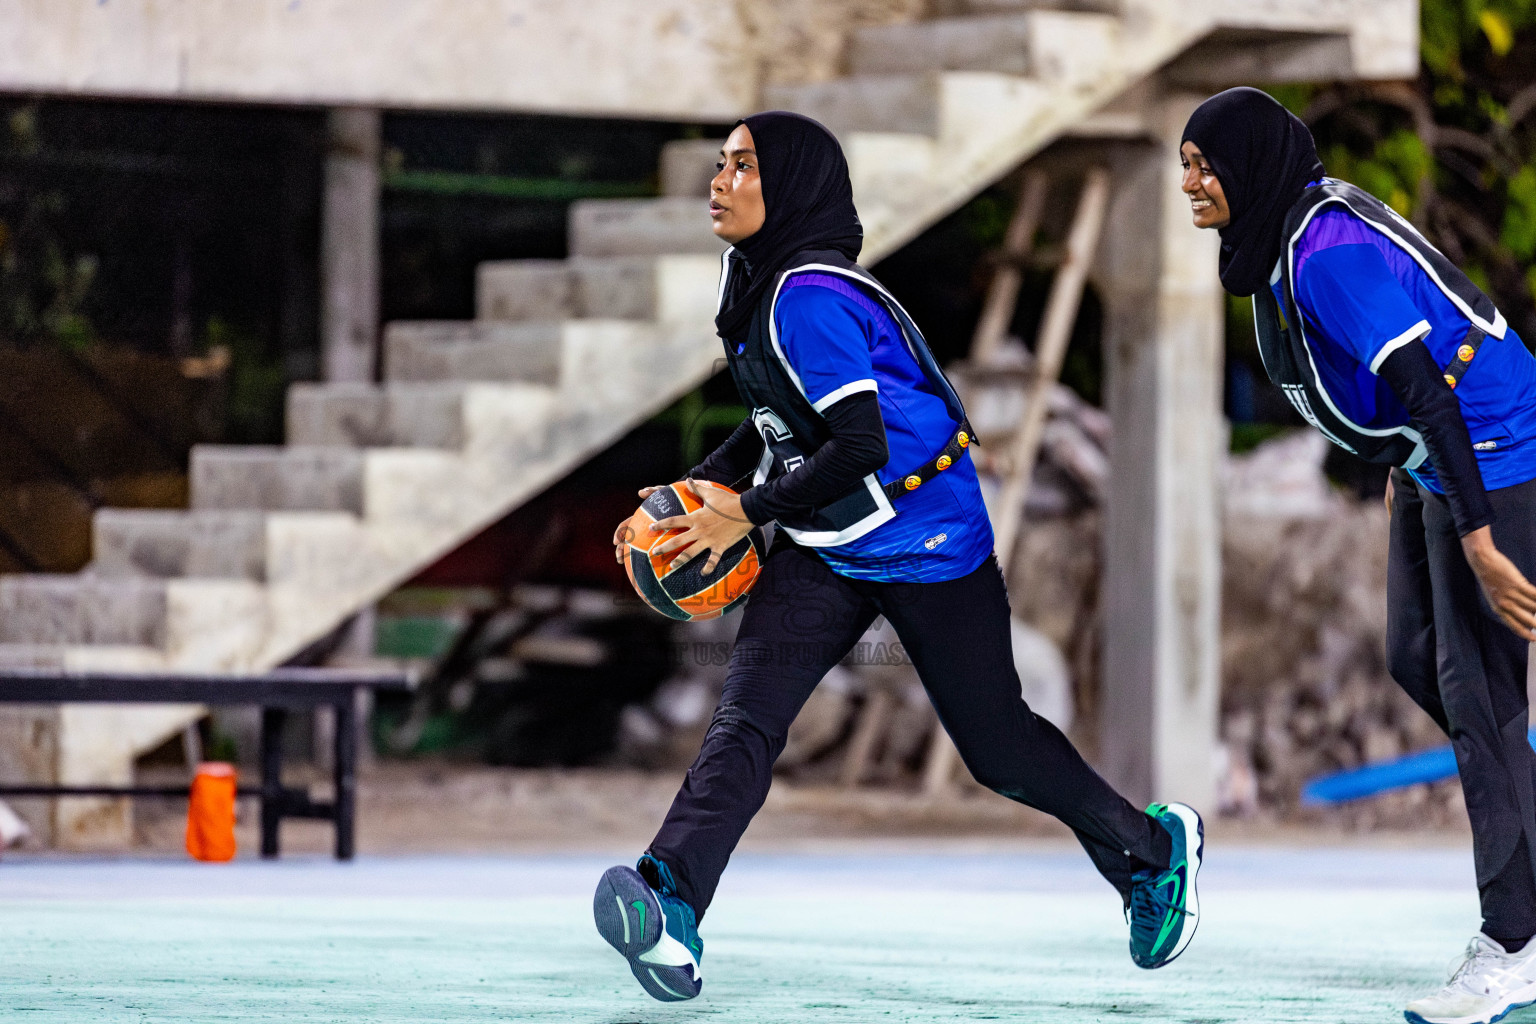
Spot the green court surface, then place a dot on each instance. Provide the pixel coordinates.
(1338, 935)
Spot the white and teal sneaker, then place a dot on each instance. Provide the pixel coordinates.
(1486, 986)
(651, 928)
(1165, 909)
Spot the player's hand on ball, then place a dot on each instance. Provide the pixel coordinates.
(1510, 594)
(621, 533)
(714, 528)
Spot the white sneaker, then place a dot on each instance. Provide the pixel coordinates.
(1487, 984)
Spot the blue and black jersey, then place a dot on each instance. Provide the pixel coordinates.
(827, 338)
(840, 341)
(1363, 284)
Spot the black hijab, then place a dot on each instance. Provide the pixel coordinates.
(1264, 157)
(808, 201)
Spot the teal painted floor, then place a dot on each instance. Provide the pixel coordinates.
(1323, 935)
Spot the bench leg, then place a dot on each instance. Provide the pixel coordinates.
(272, 720)
(344, 769)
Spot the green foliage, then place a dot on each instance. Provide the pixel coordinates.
(1451, 30)
(1393, 172)
(1519, 228)
(43, 287)
(220, 746)
(1456, 151)
(256, 383)
(986, 218)
(1242, 343)
(1293, 96)
(1478, 276)
(1248, 436)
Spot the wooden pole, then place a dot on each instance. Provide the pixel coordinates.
(1050, 350)
(1003, 292)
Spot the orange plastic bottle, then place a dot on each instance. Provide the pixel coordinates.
(211, 812)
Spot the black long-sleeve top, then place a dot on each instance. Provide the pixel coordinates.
(1417, 381)
(856, 449)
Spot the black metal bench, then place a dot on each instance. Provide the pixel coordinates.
(276, 692)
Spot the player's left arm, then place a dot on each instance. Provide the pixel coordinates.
(1416, 380)
(1509, 593)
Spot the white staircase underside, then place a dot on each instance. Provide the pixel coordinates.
(688, 59)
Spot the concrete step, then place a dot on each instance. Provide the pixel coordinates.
(168, 543)
(83, 744)
(999, 42)
(1071, 47)
(954, 107)
(668, 289)
(592, 354)
(447, 415)
(277, 478)
(1084, 6)
(414, 485)
(43, 608)
(687, 166)
(885, 164)
(865, 103)
(440, 350)
(1050, 45)
(196, 623)
(84, 657)
(641, 227)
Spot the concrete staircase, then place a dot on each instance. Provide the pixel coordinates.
(282, 544)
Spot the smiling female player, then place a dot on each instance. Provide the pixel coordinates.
(856, 448)
(1387, 348)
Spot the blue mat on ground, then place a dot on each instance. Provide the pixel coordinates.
(1425, 766)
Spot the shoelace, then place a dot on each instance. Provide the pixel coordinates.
(1468, 968)
(1144, 893)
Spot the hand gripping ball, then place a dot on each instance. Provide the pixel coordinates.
(684, 592)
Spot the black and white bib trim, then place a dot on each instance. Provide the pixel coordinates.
(1283, 343)
(791, 424)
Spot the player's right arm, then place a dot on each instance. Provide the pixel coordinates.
(733, 461)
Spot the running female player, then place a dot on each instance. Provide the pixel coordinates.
(856, 448)
(1389, 350)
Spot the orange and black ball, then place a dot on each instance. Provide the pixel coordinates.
(684, 591)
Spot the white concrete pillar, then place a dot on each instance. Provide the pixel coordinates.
(1162, 558)
(349, 246)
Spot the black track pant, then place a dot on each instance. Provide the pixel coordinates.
(801, 620)
(1461, 664)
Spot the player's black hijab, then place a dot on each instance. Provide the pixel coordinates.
(808, 204)
(1264, 157)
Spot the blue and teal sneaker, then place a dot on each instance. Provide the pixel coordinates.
(655, 931)
(1164, 908)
